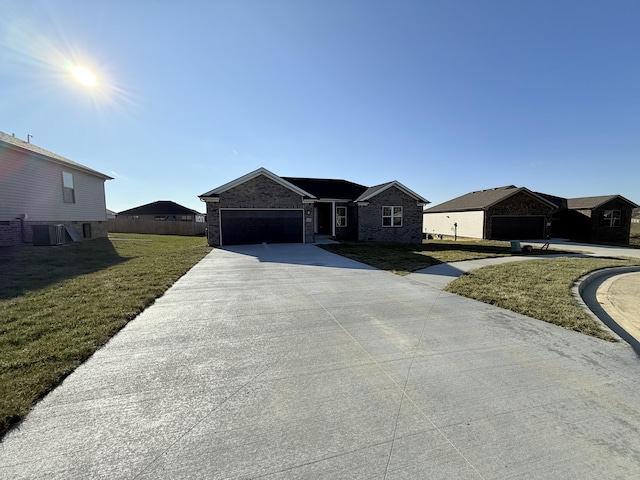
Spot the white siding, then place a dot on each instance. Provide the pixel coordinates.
(33, 186)
(470, 224)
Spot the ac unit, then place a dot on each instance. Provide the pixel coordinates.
(48, 234)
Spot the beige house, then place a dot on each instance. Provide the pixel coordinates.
(501, 213)
(46, 198)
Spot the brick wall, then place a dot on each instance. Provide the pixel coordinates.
(619, 234)
(370, 218)
(520, 204)
(10, 234)
(258, 193)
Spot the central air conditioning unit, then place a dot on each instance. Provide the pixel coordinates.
(48, 235)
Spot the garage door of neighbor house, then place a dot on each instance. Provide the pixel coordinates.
(244, 227)
(517, 228)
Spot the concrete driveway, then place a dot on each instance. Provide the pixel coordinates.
(286, 361)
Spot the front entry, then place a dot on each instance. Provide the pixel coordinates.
(323, 219)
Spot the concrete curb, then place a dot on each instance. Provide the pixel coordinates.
(584, 291)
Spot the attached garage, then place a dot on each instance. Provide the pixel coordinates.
(517, 227)
(249, 226)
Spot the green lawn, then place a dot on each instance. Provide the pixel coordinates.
(60, 304)
(403, 258)
(540, 289)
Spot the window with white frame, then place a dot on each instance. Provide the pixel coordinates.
(391, 216)
(611, 218)
(68, 192)
(341, 216)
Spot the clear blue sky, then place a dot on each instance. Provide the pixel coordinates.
(445, 96)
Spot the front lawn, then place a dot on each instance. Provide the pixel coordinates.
(403, 258)
(60, 304)
(540, 289)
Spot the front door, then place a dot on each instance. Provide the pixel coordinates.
(323, 218)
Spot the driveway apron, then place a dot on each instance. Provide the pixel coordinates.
(286, 361)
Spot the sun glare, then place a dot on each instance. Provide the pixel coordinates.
(84, 76)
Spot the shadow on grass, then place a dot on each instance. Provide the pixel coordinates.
(28, 268)
(406, 258)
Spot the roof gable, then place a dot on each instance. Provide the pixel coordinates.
(589, 203)
(41, 153)
(250, 176)
(483, 199)
(376, 190)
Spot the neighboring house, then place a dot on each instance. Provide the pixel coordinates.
(597, 219)
(111, 214)
(163, 217)
(46, 198)
(635, 217)
(162, 211)
(508, 213)
(263, 207)
(497, 213)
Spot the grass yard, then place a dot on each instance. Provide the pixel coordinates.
(60, 304)
(539, 289)
(403, 259)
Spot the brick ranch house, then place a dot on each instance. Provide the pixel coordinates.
(264, 207)
(510, 212)
(46, 198)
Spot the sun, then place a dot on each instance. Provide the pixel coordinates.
(84, 76)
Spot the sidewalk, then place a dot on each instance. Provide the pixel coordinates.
(617, 298)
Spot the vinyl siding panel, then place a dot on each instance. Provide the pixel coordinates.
(470, 224)
(33, 186)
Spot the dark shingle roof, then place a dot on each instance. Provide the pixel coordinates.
(16, 142)
(475, 200)
(588, 203)
(328, 188)
(162, 207)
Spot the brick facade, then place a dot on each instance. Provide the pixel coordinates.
(520, 204)
(618, 234)
(370, 218)
(257, 193)
(10, 234)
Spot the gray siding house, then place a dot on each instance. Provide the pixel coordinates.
(40, 189)
(264, 207)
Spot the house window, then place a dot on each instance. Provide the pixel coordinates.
(391, 216)
(341, 216)
(611, 218)
(160, 218)
(68, 193)
(186, 218)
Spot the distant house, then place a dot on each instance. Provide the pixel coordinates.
(46, 198)
(111, 214)
(264, 207)
(597, 219)
(163, 217)
(512, 212)
(501, 213)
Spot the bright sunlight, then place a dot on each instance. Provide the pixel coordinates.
(84, 76)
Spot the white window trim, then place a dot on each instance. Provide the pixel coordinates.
(612, 218)
(394, 209)
(67, 186)
(341, 216)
